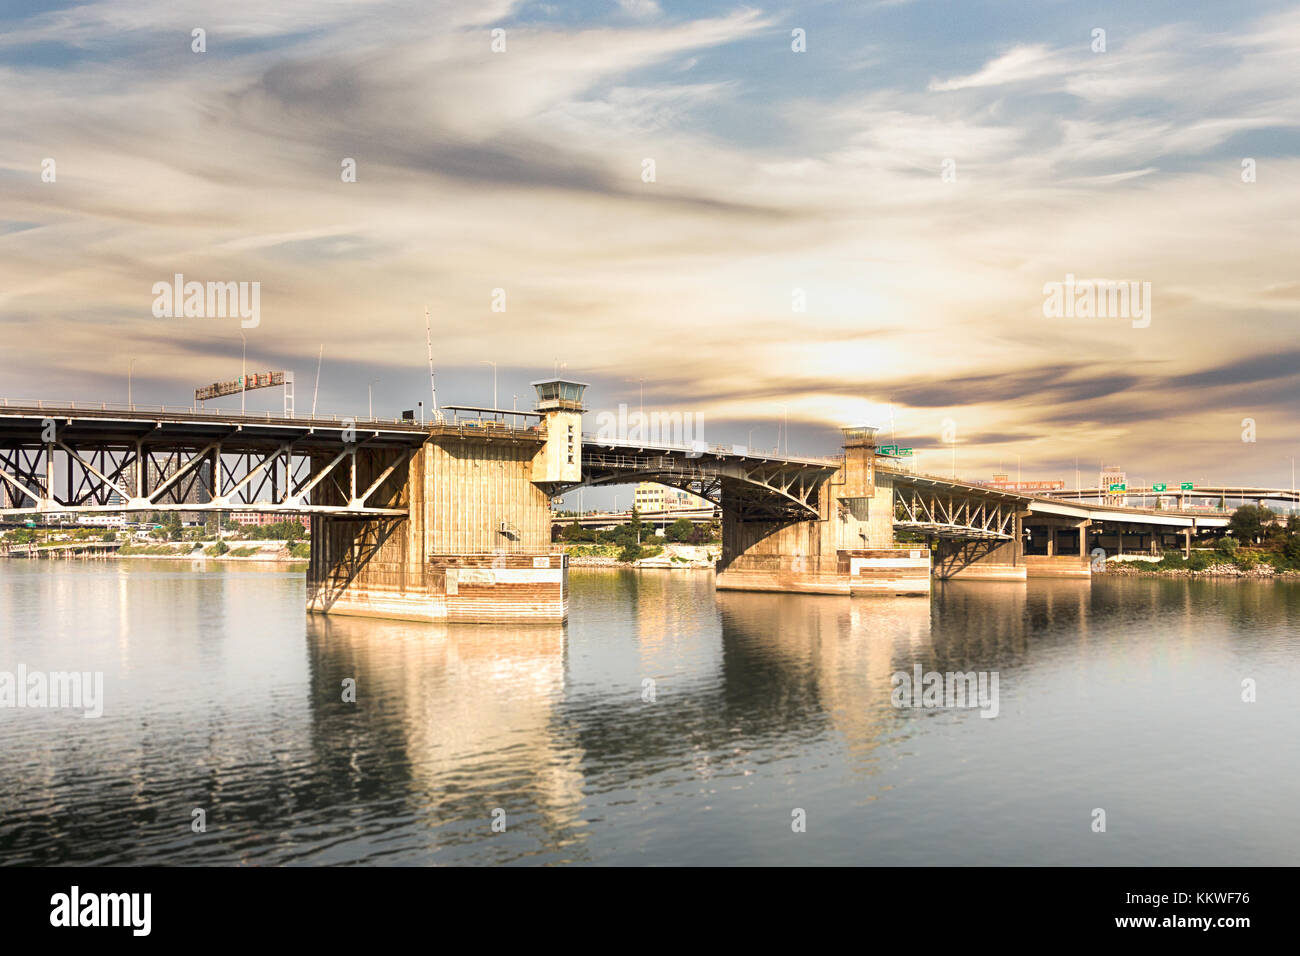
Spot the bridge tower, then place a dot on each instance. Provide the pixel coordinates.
(559, 401)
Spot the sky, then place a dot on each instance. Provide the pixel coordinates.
(858, 232)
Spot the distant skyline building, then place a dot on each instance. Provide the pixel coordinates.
(650, 496)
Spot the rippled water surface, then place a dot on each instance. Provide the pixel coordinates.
(221, 694)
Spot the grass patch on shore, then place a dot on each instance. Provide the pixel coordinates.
(1240, 558)
(151, 550)
(592, 550)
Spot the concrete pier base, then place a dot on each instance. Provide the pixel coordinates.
(979, 560)
(468, 588)
(847, 549)
(1065, 541)
(860, 572)
(473, 548)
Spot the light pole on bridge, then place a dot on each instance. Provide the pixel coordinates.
(785, 427)
(494, 380)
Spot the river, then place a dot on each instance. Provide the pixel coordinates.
(665, 723)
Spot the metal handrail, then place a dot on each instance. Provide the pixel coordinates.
(462, 426)
(197, 410)
(699, 449)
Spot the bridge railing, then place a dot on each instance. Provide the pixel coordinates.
(460, 426)
(700, 449)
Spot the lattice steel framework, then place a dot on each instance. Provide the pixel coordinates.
(87, 465)
(755, 489)
(951, 513)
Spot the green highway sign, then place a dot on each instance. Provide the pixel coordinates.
(1119, 487)
(889, 449)
(904, 453)
(1160, 487)
(1185, 486)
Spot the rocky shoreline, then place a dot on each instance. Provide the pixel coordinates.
(673, 557)
(1213, 571)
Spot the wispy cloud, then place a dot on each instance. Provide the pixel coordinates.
(777, 175)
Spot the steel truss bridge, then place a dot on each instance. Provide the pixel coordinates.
(1223, 493)
(88, 460)
(949, 508)
(104, 459)
(752, 487)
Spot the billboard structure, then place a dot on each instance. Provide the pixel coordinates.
(247, 382)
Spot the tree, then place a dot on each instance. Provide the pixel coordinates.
(683, 529)
(575, 532)
(1247, 522)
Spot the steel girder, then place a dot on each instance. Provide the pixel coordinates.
(949, 513)
(755, 489)
(113, 476)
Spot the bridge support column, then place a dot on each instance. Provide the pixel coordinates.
(848, 549)
(474, 548)
(1065, 546)
(980, 559)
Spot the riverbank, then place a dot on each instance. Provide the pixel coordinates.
(1152, 569)
(264, 551)
(673, 557)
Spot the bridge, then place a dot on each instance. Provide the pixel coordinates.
(604, 520)
(107, 458)
(1224, 494)
(81, 548)
(984, 532)
(451, 519)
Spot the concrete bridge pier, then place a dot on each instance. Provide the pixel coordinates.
(475, 544)
(1058, 548)
(847, 547)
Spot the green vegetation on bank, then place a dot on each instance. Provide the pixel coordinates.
(636, 531)
(1258, 537)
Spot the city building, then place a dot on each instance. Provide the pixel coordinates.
(103, 521)
(11, 497)
(262, 518)
(650, 496)
(192, 489)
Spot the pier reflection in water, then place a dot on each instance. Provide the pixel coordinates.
(665, 723)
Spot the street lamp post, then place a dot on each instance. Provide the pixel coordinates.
(494, 380)
(243, 375)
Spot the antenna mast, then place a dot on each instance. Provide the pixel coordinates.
(315, 393)
(433, 382)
